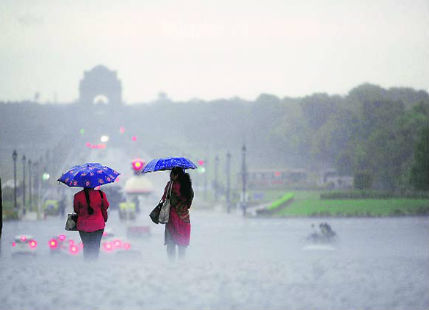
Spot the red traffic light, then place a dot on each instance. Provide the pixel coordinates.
(138, 165)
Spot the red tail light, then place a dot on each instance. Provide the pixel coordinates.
(14, 243)
(117, 243)
(33, 244)
(62, 237)
(107, 246)
(73, 249)
(53, 243)
(126, 245)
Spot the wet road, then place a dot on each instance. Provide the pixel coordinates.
(232, 263)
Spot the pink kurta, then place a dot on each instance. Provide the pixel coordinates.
(178, 228)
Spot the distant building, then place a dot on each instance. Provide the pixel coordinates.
(100, 86)
(272, 178)
(333, 180)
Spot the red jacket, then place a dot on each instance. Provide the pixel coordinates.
(95, 221)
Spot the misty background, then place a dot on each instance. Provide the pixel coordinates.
(371, 130)
(338, 86)
(303, 84)
(211, 50)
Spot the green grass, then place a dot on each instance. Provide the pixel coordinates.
(357, 207)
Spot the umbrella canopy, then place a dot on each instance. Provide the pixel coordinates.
(168, 164)
(89, 175)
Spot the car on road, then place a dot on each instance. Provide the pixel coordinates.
(110, 244)
(24, 245)
(113, 244)
(62, 244)
(51, 208)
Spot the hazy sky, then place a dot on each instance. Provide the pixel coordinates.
(212, 49)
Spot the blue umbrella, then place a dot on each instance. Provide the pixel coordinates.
(168, 164)
(89, 175)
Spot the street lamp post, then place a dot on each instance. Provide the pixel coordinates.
(23, 184)
(244, 179)
(14, 157)
(228, 181)
(216, 180)
(30, 184)
(205, 181)
(36, 185)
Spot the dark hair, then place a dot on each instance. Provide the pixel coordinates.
(90, 209)
(185, 182)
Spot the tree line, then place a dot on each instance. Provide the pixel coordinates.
(377, 135)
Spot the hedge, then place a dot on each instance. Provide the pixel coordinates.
(373, 195)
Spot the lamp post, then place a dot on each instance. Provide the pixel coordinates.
(30, 184)
(215, 180)
(23, 183)
(228, 181)
(244, 179)
(14, 157)
(36, 185)
(205, 181)
(1, 217)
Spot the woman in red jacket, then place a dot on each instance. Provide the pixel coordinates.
(178, 228)
(91, 207)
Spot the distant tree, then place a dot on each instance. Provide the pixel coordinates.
(334, 136)
(162, 98)
(267, 98)
(344, 163)
(317, 109)
(362, 180)
(407, 95)
(379, 114)
(291, 137)
(422, 108)
(369, 138)
(420, 168)
(367, 93)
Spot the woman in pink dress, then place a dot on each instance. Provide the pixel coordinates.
(178, 228)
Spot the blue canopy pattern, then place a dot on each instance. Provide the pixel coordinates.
(89, 175)
(168, 164)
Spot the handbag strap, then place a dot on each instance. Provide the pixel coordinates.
(101, 196)
(88, 201)
(90, 209)
(170, 187)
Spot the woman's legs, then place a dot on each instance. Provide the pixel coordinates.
(91, 243)
(171, 244)
(182, 251)
(171, 251)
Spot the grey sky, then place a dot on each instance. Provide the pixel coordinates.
(212, 49)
